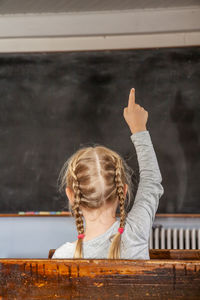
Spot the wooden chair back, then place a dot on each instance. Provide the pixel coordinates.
(164, 254)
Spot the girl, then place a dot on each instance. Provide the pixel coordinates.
(97, 180)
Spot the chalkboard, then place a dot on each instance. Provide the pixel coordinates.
(53, 103)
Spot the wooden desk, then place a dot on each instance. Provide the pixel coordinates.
(99, 279)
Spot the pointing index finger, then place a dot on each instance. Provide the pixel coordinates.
(131, 100)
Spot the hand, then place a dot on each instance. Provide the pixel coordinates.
(135, 115)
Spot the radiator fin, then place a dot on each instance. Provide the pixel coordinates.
(174, 238)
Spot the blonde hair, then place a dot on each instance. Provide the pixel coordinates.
(97, 176)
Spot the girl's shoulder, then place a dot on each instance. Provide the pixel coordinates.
(65, 251)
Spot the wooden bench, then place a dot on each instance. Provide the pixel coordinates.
(164, 254)
(99, 279)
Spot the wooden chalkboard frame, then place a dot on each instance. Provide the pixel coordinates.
(68, 214)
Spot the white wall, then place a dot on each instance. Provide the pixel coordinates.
(33, 237)
(138, 28)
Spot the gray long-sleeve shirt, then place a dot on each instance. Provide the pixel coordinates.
(139, 221)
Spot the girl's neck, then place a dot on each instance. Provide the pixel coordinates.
(97, 227)
(99, 221)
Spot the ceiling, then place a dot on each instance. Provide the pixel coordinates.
(59, 6)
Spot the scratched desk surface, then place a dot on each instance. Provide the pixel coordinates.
(99, 279)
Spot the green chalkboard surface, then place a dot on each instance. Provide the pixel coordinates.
(53, 103)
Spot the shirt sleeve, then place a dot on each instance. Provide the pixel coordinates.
(150, 189)
(64, 251)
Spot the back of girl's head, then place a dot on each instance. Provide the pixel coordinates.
(97, 176)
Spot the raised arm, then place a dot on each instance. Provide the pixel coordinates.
(150, 189)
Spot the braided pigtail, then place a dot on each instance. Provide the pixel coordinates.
(78, 253)
(114, 251)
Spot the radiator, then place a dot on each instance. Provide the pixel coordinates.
(174, 238)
